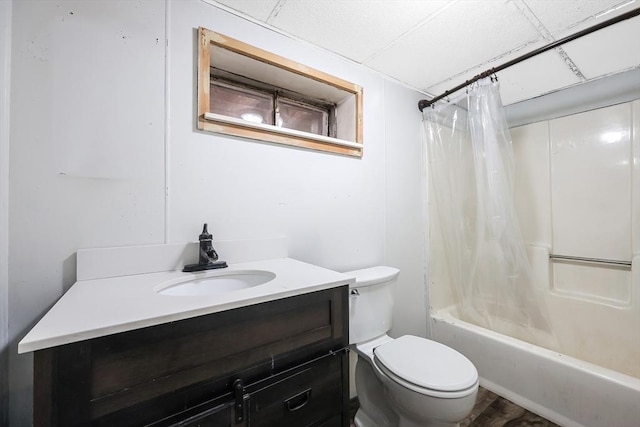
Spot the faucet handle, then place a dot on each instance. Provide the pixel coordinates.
(208, 257)
(205, 234)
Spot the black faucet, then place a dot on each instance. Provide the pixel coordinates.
(208, 258)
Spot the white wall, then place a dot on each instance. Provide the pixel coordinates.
(5, 76)
(330, 207)
(406, 210)
(86, 152)
(104, 152)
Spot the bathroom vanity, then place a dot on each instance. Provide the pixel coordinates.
(272, 355)
(280, 363)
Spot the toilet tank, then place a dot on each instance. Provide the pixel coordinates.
(371, 302)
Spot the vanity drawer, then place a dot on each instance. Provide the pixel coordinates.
(310, 396)
(140, 364)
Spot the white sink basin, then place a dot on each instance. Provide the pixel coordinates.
(216, 284)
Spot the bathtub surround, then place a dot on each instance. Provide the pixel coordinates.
(599, 93)
(592, 378)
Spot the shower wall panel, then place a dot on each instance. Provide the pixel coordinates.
(532, 196)
(591, 188)
(591, 183)
(577, 192)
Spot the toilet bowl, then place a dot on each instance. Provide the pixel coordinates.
(408, 381)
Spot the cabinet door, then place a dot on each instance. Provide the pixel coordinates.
(311, 395)
(214, 417)
(215, 413)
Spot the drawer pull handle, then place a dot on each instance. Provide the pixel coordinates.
(298, 401)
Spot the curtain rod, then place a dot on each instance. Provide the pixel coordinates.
(423, 103)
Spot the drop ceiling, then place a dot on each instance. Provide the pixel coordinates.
(434, 45)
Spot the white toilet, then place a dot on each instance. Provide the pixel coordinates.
(407, 381)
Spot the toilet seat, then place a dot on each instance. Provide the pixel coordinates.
(427, 367)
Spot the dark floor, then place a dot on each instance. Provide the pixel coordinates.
(492, 410)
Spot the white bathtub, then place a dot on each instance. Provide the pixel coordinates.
(563, 389)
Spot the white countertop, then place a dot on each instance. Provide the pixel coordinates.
(104, 306)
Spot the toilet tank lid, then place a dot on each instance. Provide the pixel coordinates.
(427, 364)
(373, 275)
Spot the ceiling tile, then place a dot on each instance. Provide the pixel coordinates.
(560, 15)
(608, 50)
(541, 74)
(536, 76)
(355, 29)
(434, 45)
(461, 77)
(256, 9)
(465, 35)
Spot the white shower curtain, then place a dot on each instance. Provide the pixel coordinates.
(471, 168)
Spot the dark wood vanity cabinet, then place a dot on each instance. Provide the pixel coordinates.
(278, 363)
